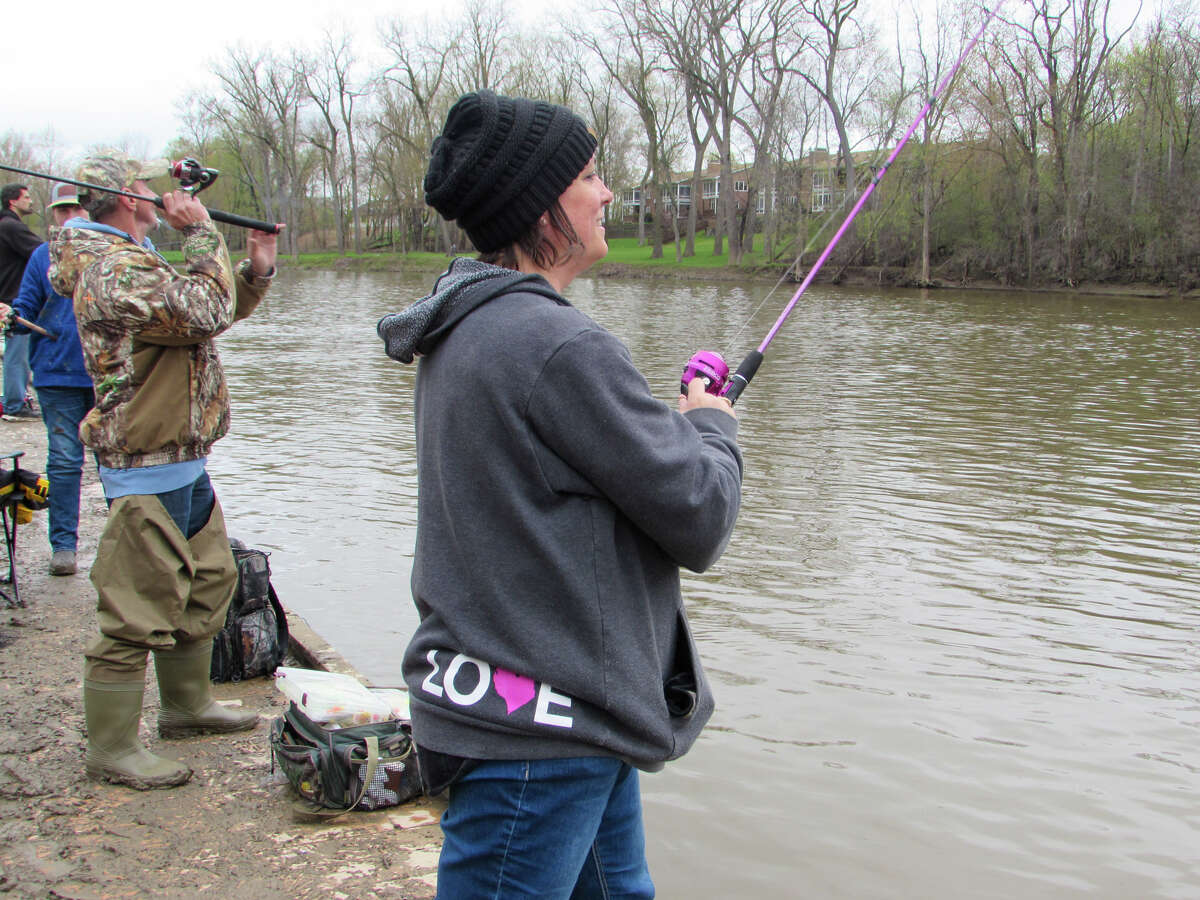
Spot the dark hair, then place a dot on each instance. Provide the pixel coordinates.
(536, 245)
(11, 192)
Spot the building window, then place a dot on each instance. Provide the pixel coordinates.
(822, 196)
(741, 186)
(711, 189)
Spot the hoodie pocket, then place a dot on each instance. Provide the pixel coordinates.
(681, 689)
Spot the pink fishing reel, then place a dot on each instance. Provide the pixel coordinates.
(709, 366)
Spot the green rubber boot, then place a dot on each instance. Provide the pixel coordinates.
(187, 707)
(114, 753)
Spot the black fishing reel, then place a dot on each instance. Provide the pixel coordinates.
(192, 176)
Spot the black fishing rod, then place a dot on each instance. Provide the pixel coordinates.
(711, 366)
(192, 177)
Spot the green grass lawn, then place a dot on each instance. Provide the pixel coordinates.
(627, 251)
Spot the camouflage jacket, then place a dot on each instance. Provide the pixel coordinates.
(147, 333)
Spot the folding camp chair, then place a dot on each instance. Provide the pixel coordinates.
(8, 511)
(21, 492)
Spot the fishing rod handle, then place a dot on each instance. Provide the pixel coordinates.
(220, 216)
(741, 378)
(243, 222)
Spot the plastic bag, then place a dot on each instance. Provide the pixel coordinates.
(397, 700)
(337, 701)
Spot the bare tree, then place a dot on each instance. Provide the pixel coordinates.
(324, 133)
(483, 59)
(709, 44)
(1010, 102)
(840, 83)
(417, 93)
(20, 151)
(1088, 165)
(545, 66)
(770, 77)
(701, 134)
(795, 121)
(327, 81)
(632, 62)
(615, 134)
(1072, 43)
(260, 119)
(935, 52)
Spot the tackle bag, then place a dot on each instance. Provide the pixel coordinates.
(340, 769)
(254, 638)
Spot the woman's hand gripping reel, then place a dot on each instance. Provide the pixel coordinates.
(708, 366)
(712, 368)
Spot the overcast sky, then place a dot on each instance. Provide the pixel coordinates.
(112, 74)
(107, 73)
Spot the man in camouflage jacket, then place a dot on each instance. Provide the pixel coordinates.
(163, 571)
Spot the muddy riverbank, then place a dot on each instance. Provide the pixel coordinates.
(229, 832)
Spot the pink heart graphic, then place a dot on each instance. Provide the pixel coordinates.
(517, 690)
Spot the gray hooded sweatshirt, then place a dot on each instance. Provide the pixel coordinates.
(557, 499)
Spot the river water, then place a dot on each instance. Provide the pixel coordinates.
(954, 639)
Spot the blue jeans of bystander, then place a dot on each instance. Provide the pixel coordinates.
(63, 408)
(552, 828)
(16, 371)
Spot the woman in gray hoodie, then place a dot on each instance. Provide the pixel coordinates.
(557, 500)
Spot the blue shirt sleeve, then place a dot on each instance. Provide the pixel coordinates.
(35, 288)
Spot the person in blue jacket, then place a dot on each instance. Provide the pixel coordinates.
(63, 386)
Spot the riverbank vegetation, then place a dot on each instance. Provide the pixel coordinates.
(630, 258)
(1064, 152)
(626, 252)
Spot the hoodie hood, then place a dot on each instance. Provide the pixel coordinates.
(463, 287)
(78, 244)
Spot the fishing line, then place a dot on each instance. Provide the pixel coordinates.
(710, 366)
(795, 264)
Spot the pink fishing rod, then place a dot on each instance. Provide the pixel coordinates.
(711, 366)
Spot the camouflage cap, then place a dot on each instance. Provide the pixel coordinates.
(117, 170)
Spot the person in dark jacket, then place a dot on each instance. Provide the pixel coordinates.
(557, 500)
(17, 243)
(63, 385)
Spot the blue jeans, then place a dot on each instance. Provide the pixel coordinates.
(16, 371)
(190, 506)
(553, 828)
(63, 408)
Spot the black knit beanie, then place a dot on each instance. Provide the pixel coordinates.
(500, 162)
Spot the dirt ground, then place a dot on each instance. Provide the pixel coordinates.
(230, 831)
